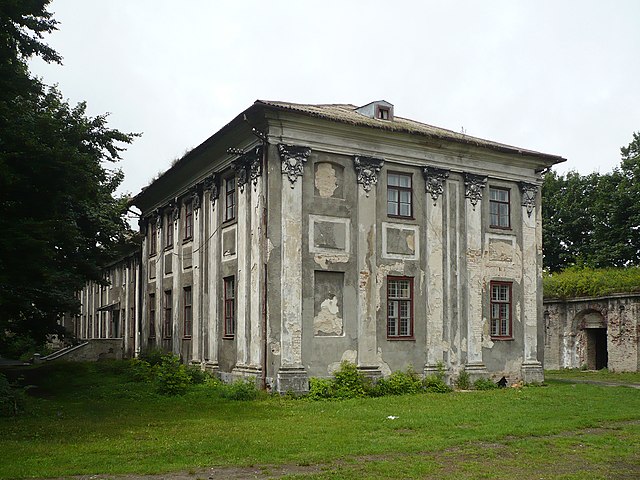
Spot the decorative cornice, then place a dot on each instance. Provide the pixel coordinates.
(473, 187)
(293, 158)
(434, 181)
(367, 169)
(529, 192)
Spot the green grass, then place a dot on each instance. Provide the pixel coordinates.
(598, 375)
(581, 281)
(88, 419)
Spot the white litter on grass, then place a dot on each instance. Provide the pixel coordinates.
(391, 417)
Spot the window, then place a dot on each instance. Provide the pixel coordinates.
(230, 198)
(188, 220)
(499, 208)
(383, 113)
(188, 318)
(168, 235)
(399, 195)
(153, 238)
(399, 307)
(132, 322)
(152, 315)
(501, 310)
(229, 307)
(166, 327)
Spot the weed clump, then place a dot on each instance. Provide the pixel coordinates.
(463, 382)
(12, 399)
(240, 390)
(484, 384)
(171, 377)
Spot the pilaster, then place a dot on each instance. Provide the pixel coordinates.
(367, 170)
(292, 375)
(531, 245)
(242, 278)
(474, 184)
(435, 180)
(212, 185)
(196, 318)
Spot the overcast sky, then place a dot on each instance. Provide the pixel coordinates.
(561, 77)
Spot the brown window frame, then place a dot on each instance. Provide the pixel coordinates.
(153, 239)
(498, 328)
(498, 203)
(400, 190)
(152, 315)
(394, 328)
(187, 312)
(230, 199)
(168, 236)
(383, 113)
(167, 321)
(188, 220)
(229, 307)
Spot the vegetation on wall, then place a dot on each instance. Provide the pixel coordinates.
(581, 281)
(60, 220)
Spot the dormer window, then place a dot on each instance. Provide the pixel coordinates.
(380, 110)
(382, 113)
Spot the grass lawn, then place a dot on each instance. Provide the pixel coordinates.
(598, 375)
(89, 419)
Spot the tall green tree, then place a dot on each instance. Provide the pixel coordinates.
(593, 219)
(59, 217)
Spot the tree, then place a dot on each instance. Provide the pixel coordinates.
(594, 219)
(59, 218)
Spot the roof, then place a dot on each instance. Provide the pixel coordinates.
(346, 113)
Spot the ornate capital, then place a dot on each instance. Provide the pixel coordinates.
(175, 211)
(212, 183)
(367, 170)
(528, 192)
(473, 187)
(254, 161)
(142, 225)
(239, 166)
(434, 181)
(195, 199)
(156, 217)
(293, 159)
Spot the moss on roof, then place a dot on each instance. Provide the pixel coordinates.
(346, 113)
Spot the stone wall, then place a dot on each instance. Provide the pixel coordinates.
(594, 332)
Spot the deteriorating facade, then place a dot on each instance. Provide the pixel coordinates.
(299, 236)
(593, 333)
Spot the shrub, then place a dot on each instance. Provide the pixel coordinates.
(153, 356)
(579, 281)
(12, 400)
(349, 382)
(139, 370)
(400, 383)
(240, 390)
(463, 382)
(196, 375)
(484, 384)
(435, 384)
(171, 376)
(321, 388)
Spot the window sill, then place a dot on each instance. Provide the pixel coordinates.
(228, 337)
(169, 247)
(187, 240)
(230, 221)
(501, 339)
(495, 227)
(401, 339)
(401, 217)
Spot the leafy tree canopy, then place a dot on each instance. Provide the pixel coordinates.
(593, 220)
(59, 217)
